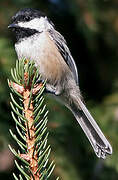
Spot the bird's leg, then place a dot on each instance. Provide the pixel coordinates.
(49, 88)
(52, 89)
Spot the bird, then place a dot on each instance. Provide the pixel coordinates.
(37, 39)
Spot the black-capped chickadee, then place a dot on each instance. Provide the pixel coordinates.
(38, 40)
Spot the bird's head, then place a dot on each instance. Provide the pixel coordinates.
(28, 22)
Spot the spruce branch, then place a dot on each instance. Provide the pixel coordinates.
(31, 119)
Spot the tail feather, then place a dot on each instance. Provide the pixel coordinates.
(97, 139)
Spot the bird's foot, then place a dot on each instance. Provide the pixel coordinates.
(48, 87)
(52, 89)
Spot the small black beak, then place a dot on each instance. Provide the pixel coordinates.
(13, 26)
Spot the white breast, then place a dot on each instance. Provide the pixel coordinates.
(43, 51)
(31, 48)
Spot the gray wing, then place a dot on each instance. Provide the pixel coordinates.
(65, 52)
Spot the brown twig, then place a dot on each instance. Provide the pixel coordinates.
(31, 154)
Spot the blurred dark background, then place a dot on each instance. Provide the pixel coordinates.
(91, 30)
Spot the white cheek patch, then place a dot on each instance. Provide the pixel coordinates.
(39, 24)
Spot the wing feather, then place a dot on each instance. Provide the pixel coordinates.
(65, 52)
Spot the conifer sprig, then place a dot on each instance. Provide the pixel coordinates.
(30, 117)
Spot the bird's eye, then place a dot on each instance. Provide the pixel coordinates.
(27, 18)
